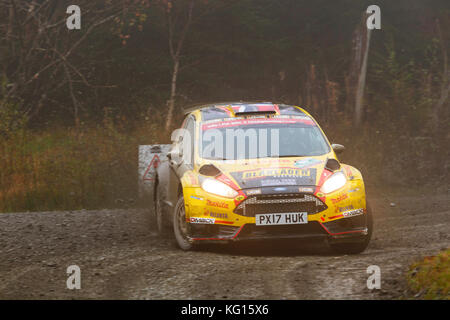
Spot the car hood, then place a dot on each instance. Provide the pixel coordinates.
(271, 172)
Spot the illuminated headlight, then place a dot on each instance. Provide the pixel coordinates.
(218, 188)
(333, 183)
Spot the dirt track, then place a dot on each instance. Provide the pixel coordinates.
(122, 258)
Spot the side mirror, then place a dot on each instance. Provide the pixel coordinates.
(175, 156)
(338, 148)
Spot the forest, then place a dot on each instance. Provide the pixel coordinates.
(75, 103)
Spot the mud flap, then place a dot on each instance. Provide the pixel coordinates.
(150, 159)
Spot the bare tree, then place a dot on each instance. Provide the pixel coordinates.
(176, 41)
(179, 19)
(361, 56)
(40, 55)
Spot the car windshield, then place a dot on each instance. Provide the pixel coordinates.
(261, 138)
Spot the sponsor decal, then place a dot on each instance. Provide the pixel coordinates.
(278, 182)
(276, 172)
(353, 190)
(347, 169)
(217, 204)
(196, 198)
(349, 172)
(202, 220)
(279, 176)
(223, 178)
(341, 209)
(352, 213)
(218, 215)
(252, 192)
(306, 162)
(306, 189)
(255, 107)
(256, 121)
(241, 196)
(270, 161)
(339, 198)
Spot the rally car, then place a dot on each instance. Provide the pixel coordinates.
(251, 171)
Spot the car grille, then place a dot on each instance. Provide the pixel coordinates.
(279, 203)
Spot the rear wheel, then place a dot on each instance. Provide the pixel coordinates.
(181, 227)
(356, 247)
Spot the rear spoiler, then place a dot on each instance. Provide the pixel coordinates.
(150, 158)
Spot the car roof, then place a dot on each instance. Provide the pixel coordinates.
(198, 106)
(221, 110)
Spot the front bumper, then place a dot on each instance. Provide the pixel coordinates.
(353, 230)
(235, 220)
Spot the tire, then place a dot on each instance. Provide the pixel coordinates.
(181, 227)
(356, 247)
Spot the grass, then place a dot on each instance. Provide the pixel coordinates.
(71, 169)
(430, 278)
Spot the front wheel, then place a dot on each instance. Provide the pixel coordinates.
(356, 247)
(181, 227)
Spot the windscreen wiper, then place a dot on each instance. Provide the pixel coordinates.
(287, 156)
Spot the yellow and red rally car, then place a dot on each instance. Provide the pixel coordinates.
(251, 170)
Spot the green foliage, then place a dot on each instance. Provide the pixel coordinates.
(399, 94)
(12, 119)
(430, 278)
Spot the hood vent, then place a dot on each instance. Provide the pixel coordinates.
(209, 170)
(332, 165)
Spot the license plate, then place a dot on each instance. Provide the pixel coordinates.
(267, 219)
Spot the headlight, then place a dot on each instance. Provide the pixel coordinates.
(336, 181)
(218, 188)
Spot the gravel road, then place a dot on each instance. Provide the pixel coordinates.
(121, 257)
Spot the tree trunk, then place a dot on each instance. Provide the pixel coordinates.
(362, 83)
(176, 55)
(173, 90)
